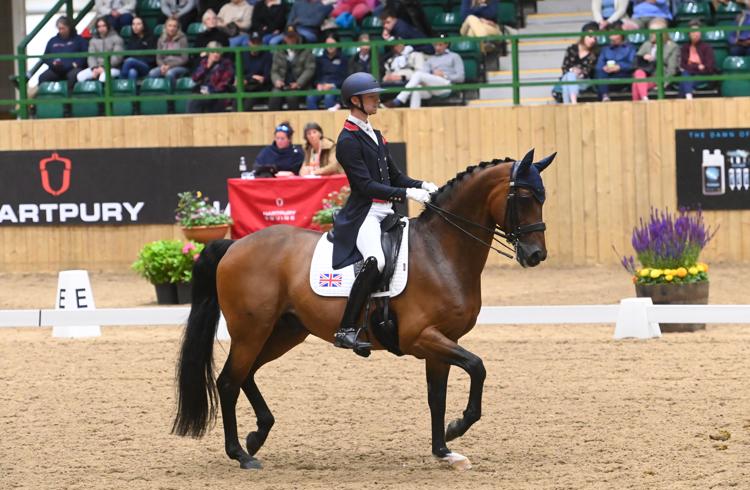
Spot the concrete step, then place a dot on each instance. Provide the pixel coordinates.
(562, 6)
(541, 92)
(551, 45)
(534, 60)
(525, 75)
(554, 19)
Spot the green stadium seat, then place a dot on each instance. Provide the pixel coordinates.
(467, 49)
(602, 40)
(372, 25)
(126, 32)
(431, 11)
(693, 10)
(87, 89)
(636, 38)
(679, 37)
(471, 70)
(150, 12)
(446, 22)
(152, 87)
(318, 52)
(720, 54)
(715, 38)
(727, 12)
(158, 29)
(51, 90)
(123, 87)
(349, 51)
(507, 14)
(736, 88)
(183, 86)
(193, 30)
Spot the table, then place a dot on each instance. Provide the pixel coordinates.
(258, 203)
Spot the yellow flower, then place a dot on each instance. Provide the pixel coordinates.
(693, 271)
(705, 266)
(655, 273)
(199, 194)
(644, 272)
(681, 272)
(668, 277)
(701, 267)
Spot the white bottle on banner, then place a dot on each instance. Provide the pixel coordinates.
(746, 178)
(730, 175)
(244, 174)
(714, 183)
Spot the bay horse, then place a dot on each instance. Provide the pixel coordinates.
(261, 284)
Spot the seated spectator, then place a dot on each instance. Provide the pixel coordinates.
(646, 10)
(105, 40)
(646, 60)
(171, 66)
(442, 69)
(281, 155)
(330, 72)
(615, 60)
(135, 67)
(320, 153)
(608, 12)
(119, 13)
(269, 18)
(362, 60)
(235, 18)
(66, 41)
(394, 28)
(291, 69)
(214, 75)
(183, 10)
(402, 64)
(211, 31)
(579, 63)
(696, 58)
(257, 69)
(739, 41)
(479, 19)
(307, 17)
(358, 8)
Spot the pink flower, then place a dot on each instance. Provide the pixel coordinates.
(188, 248)
(195, 257)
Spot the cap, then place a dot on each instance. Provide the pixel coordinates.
(255, 37)
(290, 31)
(590, 26)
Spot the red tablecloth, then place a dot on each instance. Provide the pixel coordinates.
(258, 203)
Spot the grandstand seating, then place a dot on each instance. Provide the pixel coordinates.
(123, 87)
(155, 86)
(193, 30)
(693, 10)
(87, 89)
(446, 22)
(727, 12)
(150, 12)
(51, 90)
(736, 88)
(183, 86)
(126, 32)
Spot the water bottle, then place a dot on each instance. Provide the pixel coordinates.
(244, 174)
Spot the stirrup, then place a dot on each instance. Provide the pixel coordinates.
(347, 338)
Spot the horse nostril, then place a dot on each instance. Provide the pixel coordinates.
(535, 258)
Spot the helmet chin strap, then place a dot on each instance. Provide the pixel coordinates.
(361, 105)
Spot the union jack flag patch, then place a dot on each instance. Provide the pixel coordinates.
(330, 280)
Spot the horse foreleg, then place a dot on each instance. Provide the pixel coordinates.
(437, 388)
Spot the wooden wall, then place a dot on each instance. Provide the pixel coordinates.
(614, 161)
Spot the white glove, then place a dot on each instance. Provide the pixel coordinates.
(429, 187)
(419, 195)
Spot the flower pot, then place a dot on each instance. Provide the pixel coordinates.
(184, 292)
(166, 294)
(325, 227)
(695, 293)
(205, 234)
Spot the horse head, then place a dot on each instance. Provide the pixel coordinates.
(517, 208)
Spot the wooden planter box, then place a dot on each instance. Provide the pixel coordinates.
(205, 234)
(695, 293)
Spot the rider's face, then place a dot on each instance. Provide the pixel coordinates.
(371, 102)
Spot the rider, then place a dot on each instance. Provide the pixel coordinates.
(375, 184)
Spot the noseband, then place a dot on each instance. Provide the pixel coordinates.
(512, 221)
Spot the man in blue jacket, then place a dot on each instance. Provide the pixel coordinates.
(375, 184)
(330, 73)
(66, 41)
(395, 28)
(616, 60)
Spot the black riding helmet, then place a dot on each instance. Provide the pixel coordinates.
(360, 83)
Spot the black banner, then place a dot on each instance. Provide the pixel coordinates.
(713, 168)
(118, 185)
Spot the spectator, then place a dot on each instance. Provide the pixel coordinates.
(615, 61)
(608, 12)
(362, 60)
(171, 66)
(281, 155)
(358, 8)
(214, 75)
(119, 13)
(105, 40)
(402, 64)
(306, 16)
(479, 19)
(183, 10)
(269, 18)
(394, 28)
(329, 74)
(257, 68)
(696, 58)
(235, 18)
(211, 31)
(320, 153)
(739, 41)
(66, 41)
(646, 10)
(440, 70)
(138, 66)
(410, 11)
(579, 63)
(646, 60)
(291, 69)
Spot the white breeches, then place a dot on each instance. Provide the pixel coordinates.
(368, 237)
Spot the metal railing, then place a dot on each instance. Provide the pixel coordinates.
(377, 45)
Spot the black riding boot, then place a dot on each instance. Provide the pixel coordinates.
(346, 336)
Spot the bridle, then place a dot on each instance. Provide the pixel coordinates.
(512, 221)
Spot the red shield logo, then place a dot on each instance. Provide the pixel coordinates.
(67, 166)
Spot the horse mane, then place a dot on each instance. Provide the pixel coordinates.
(440, 196)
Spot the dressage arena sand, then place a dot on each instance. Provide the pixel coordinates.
(564, 406)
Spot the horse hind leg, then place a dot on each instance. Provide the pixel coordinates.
(288, 333)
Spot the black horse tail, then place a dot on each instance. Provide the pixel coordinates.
(196, 387)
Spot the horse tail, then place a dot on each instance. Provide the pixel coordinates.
(196, 387)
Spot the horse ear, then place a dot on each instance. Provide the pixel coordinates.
(544, 162)
(526, 162)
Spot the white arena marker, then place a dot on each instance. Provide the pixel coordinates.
(632, 320)
(74, 293)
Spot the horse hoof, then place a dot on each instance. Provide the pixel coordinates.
(453, 431)
(253, 443)
(251, 464)
(456, 461)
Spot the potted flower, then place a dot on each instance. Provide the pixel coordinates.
(667, 248)
(168, 265)
(332, 204)
(199, 220)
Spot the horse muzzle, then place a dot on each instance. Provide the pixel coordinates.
(530, 255)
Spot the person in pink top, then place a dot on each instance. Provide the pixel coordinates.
(358, 8)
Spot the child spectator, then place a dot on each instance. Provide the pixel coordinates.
(235, 18)
(138, 66)
(579, 63)
(646, 60)
(361, 61)
(214, 75)
(281, 155)
(329, 74)
(257, 68)
(646, 10)
(615, 60)
(608, 12)
(269, 18)
(119, 13)
(171, 66)
(66, 41)
(105, 40)
(358, 8)
(183, 10)
(739, 41)
(320, 153)
(394, 28)
(291, 69)
(696, 58)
